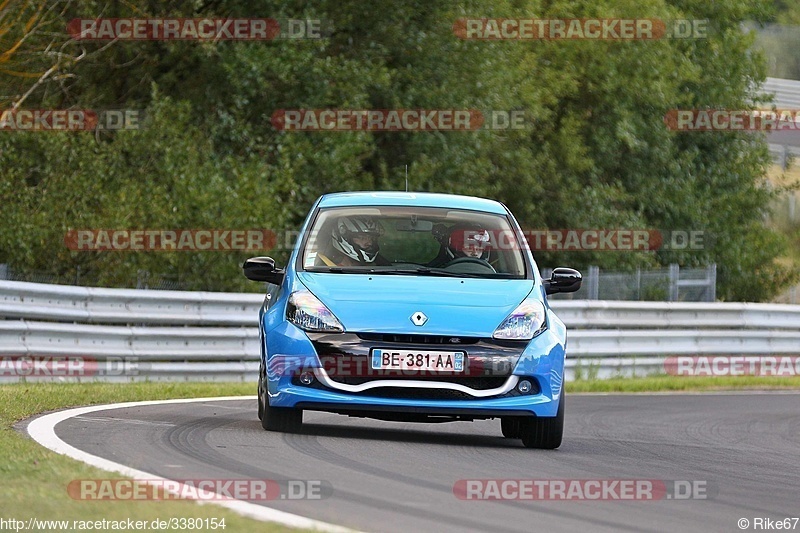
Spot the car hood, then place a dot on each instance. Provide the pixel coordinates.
(466, 307)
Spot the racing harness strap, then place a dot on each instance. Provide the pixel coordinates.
(325, 260)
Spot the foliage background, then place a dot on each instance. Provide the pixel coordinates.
(596, 153)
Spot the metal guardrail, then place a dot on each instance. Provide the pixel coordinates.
(23, 337)
(784, 144)
(782, 152)
(171, 335)
(671, 284)
(64, 303)
(787, 92)
(593, 314)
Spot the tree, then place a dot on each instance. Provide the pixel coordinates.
(595, 152)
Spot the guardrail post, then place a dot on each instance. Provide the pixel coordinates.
(638, 283)
(593, 284)
(674, 275)
(4, 271)
(712, 282)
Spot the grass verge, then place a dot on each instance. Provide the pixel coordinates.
(35, 479)
(667, 383)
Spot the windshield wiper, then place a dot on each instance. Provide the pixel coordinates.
(450, 274)
(427, 271)
(342, 270)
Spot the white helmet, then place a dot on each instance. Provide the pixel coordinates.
(357, 237)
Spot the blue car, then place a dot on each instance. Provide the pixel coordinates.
(414, 307)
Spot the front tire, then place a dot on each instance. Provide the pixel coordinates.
(283, 419)
(510, 426)
(544, 433)
(261, 394)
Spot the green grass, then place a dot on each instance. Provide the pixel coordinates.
(34, 479)
(666, 383)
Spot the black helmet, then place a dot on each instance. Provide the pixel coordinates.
(347, 232)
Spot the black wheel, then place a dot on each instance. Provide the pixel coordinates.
(261, 394)
(544, 432)
(283, 419)
(510, 427)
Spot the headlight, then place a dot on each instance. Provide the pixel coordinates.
(306, 312)
(524, 323)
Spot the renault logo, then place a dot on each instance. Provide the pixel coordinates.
(419, 318)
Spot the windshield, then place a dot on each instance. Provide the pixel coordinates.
(413, 241)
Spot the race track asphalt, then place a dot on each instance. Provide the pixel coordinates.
(743, 448)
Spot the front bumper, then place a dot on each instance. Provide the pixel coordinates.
(540, 360)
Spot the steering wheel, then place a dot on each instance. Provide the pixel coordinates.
(470, 261)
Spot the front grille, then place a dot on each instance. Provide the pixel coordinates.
(346, 356)
(414, 393)
(418, 339)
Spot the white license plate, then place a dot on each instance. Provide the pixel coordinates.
(383, 359)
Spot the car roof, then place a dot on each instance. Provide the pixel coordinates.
(415, 199)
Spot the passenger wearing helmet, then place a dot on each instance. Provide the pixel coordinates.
(462, 240)
(354, 242)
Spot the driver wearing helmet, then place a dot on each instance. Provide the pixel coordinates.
(354, 242)
(462, 240)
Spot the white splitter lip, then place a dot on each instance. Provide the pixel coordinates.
(323, 377)
(42, 430)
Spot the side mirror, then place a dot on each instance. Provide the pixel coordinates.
(563, 280)
(263, 269)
